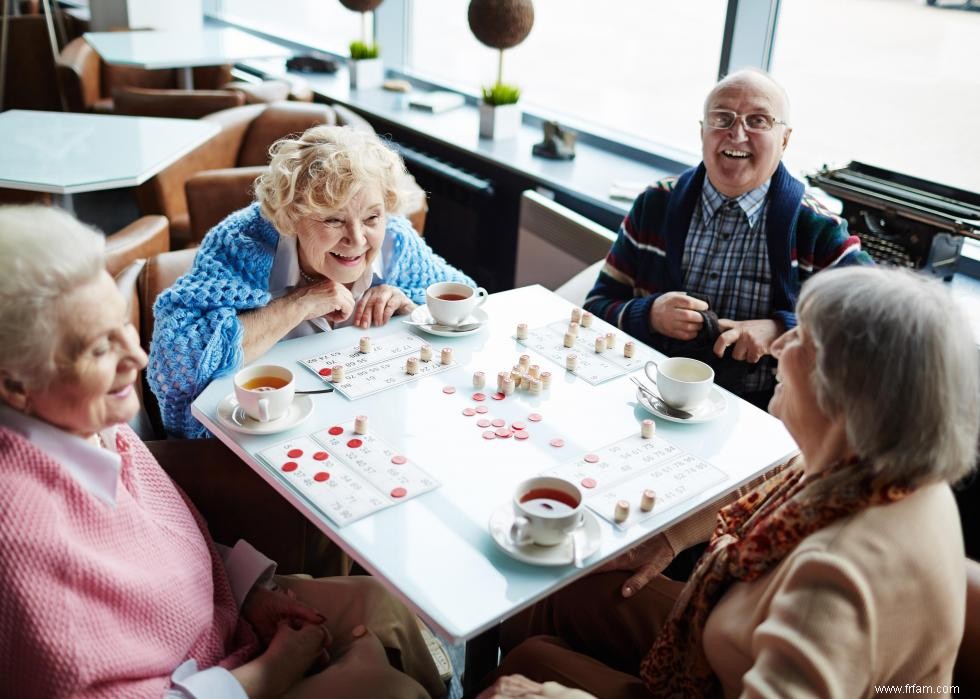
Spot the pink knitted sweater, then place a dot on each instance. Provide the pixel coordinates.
(101, 601)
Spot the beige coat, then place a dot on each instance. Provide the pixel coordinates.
(877, 598)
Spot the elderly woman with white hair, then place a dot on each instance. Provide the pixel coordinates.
(319, 249)
(841, 574)
(112, 585)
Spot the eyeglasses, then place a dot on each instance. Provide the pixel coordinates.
(725, 119)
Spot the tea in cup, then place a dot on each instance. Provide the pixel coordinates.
(683, 383)
(265, 392)
(546, 510)
(450, 303)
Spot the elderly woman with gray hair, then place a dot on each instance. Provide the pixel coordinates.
(320, 248)
(112, 585)
(842, 573)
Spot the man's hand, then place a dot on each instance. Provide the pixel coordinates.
(379, 304)
(265, 609)
(675, 314)
(645, 561)
(520, 686)
(752, 338)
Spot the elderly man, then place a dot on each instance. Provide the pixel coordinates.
(709, 264)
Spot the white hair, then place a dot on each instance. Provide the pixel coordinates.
(44, 254)
(896, 359)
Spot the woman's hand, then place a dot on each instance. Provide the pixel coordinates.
(645, 561)
(294, 649)
(520, 686)
(379, 304)
(265, 609)
(325, 299)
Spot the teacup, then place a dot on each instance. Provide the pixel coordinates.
(450, 303)
(265, 392)
(683, 383)
(546, 511)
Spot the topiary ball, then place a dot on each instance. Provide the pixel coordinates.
(501, 24)
(361, 5)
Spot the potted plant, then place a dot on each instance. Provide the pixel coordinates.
(365, 67)
(500, 24)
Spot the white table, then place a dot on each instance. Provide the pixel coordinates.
(182, 49)
(434, 551)
(66, 153)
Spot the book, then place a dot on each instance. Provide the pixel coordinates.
(437, 101)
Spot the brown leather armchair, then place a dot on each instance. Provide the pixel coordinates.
(246, 134)
(143, 238)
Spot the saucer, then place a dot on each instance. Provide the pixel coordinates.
(557, 555)
(232, 415)
(711, 408)
(421, 315)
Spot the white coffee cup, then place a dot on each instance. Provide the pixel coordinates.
(683, 383)
(450, 302)
(546, 511)
(265, 391)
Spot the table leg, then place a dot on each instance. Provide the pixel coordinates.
(185, 78)
(66, 202)
(482, 653)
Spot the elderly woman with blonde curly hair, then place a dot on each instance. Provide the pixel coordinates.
(112, 585)
(320, 248)
(841, 574)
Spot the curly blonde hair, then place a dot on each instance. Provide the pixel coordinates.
(322, 169)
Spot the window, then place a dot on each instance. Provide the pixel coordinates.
(893, 84)
(637, 67)
(322, 24)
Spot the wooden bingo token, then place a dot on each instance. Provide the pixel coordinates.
(524, 362)
(546, 380)
(337, 373)
(571, 362)
(622, 512)
(522, 331)
(572, 329)
(425, 353)
(412, 366)
(569, 340)
(610, 340)
(576, 315)
(648, 500)
(629, 349)
(446, 355)
(600, 344)
(364, 345)
(501, 375)
(647, 428)
(479, 380)
(586, 319)
(535, 386)
(360, 424)
(534, 371)
(508, 386)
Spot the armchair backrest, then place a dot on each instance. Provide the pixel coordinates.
(176, 104)
(79, 71)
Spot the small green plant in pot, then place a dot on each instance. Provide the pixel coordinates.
(500, 24)
(365, 67)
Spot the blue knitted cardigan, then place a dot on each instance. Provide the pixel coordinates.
(645, 260)
(197, 335)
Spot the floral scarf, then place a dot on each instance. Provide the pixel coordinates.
(752, 536)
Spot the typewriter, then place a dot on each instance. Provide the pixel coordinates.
(902, 220)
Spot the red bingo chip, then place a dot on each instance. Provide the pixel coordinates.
(398, 492)
(354, 443)
(321, 456)
(557, 442)
(498, 396)
(294, 453)
(479, 396)
(469, 412)
(518, 425)
(497, 422)
(591, 458)
(449, 390)
(489, 434)
(335, 430)
(482, 409)
(290, 466)
(520, 434)
(321, 477)
(325, 371)
(504, 432)
(534, 417)
(398, 459)
(588, 483)
(483, 422)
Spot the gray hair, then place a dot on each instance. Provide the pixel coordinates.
(751, 74)
(896, 359)
(44, 254)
